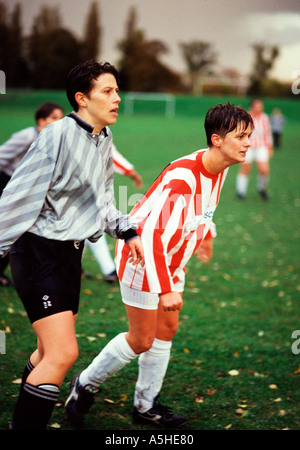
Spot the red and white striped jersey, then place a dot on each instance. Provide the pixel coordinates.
(121, 165)
(173, 217)
(261, 136)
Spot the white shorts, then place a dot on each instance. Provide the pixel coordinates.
(258, 154)
(141, 299)
(138, 299)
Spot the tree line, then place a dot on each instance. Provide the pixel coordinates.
(42, 59)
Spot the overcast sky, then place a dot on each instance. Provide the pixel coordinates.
(230, 25)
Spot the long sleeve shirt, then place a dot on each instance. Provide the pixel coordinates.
(63, 187)
(173, 218)
(13, 150)
(121, 164)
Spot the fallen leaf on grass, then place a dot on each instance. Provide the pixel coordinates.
(233, 373)
(261, 375)
(273, 386)
(91, 338)
(199, 400)
(17, 381)
(228, 426)
(297, 372)
(55, 425)
(101, 335)
(122, 399)
(186, 350)
(87, 291)
(241, 412)
(211, 391)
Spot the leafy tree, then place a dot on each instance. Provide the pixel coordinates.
(53, 50)
(140, 67)
(12, 61)
(92, 37)
(199, 58)
(4, 38)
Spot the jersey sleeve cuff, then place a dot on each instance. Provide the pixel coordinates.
(128, 235)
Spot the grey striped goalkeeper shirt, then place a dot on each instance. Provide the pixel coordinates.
(63, 187)
(13, 150)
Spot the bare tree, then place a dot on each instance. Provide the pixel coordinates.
(199, 58)
(264, 59)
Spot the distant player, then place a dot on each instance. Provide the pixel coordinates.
(13, 150)
(260, 152)
(174, 218)
(60, 194)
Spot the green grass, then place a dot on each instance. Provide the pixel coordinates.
(239, 311)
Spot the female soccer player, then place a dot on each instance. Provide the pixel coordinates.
(174, 218)
(261, 151)
(61, 194)
(13, 150)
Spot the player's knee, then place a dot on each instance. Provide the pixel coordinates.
(171, 331)
(65, 358)
(71, 356)
(167, 332)
(142, 344)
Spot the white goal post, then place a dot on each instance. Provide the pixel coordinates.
(131, 97)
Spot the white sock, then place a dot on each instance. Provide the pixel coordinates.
(102, 254)
(115, 355)
(262, 182)
(152, 369)
(241, 184)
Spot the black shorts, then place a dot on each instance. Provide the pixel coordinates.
(47, 274)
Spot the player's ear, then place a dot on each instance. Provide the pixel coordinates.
(80, 99)
(216, 140)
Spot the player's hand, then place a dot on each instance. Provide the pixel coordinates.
(271, 152)
(171, 301)
(137, 179)
(136, 251)
(205, 250)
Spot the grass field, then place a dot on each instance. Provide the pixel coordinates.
(232, 365)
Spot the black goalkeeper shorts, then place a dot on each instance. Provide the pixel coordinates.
(47, 274)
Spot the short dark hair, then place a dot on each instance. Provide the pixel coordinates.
(45, 109)
(81, 78)
(224, 118)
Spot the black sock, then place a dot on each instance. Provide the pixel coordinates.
(28, 368)
(34, 406)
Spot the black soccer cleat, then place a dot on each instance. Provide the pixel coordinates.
(158, 415)
(264, 194)
(79, 401)
(111, 277)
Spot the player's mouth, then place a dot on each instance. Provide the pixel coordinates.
(114, 112)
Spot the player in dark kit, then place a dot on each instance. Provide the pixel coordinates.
(61, 194)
